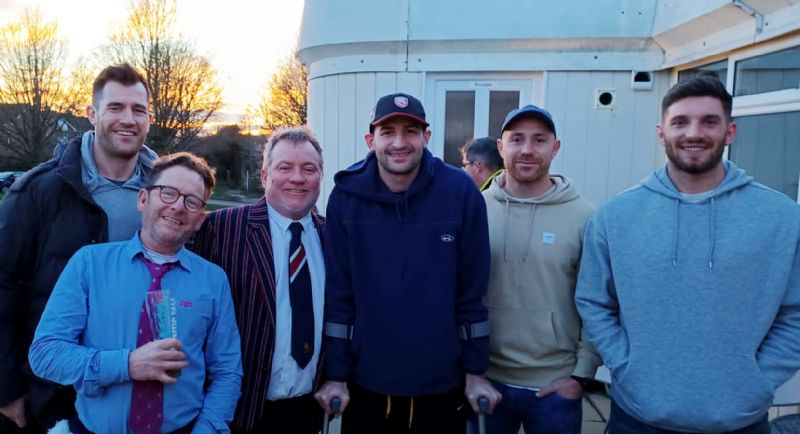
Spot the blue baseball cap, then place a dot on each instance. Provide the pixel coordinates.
(532, 111)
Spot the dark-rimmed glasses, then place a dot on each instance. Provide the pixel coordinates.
(170, 195)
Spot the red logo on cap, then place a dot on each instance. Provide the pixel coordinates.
(401, 101)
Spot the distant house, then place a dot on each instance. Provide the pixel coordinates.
(601, 67)
(67, 127)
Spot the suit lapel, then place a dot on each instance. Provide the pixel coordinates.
(259, 245)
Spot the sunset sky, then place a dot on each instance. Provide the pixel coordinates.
(245, 39)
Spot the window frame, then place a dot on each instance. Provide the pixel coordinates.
(779, 101)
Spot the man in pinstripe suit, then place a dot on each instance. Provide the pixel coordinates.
(256, 246)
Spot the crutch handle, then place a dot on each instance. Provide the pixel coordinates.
(483, 408)
(483, 404)
(335, 405)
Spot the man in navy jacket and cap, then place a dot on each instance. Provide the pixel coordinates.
(407, 267)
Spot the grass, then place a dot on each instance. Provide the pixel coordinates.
(223, 189)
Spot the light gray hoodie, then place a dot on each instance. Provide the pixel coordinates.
(536, 246)
(694, 307)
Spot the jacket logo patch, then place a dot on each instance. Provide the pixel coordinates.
(548, 238)
(447, 238)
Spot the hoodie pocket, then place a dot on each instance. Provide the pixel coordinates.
(693, 389)
(521, 338)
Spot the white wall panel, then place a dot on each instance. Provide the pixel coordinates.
(604, 150)
(329, 135)
(339, 111)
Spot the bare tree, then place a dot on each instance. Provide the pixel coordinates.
(185, 92)
(285, 101)
(34, 89)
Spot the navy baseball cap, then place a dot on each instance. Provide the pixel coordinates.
(532, 111)
(398, 104)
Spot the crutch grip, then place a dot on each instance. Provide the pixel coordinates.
(483, 404)
(336, 405)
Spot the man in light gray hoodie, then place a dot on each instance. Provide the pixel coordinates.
(539, 359)
(690, 282)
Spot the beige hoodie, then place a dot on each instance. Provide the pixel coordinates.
(536, 335)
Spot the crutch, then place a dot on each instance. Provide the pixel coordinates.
(335, 404)
(483, 408)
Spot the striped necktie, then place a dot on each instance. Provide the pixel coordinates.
(300, 299)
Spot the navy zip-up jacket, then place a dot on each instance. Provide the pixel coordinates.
(404, 272)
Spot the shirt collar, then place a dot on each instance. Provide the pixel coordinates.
(283, 222)
(135, 248)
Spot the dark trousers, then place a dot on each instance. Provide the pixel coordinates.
(375, 413)
(551, 414)
(300, 415)
(622, 423)
(77, 427)
(60, 406)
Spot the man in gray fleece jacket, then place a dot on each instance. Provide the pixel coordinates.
(689, 285)
(539, 359)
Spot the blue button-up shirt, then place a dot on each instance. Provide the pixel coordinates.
(91, 322)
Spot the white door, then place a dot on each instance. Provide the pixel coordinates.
(470, 108)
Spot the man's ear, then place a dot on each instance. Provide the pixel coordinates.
(91, 113)
(370, 139)
(141, 200)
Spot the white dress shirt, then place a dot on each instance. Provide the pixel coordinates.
(287, 380)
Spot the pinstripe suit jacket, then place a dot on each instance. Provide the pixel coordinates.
(238, 240)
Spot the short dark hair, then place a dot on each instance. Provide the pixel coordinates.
(295, 134)
(483, 149)
(122, 73)
(189, 161)
(699, 85)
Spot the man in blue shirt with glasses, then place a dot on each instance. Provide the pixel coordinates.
(144, 329)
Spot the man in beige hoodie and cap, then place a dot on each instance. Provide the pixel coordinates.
(540, 360)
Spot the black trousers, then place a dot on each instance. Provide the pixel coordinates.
(300, 415)
(375, 413)
(60, 406)
(77, 427)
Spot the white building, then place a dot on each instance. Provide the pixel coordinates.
(600, 66)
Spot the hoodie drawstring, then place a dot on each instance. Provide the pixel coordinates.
(677, 233)
(505, 234)
(712, 232)
(506, 230)
(530, 234)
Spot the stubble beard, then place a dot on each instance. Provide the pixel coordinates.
(699, 167)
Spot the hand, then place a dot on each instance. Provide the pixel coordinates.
(477, 386)
(152, 360)
(15, 410)
(564, 387)
(332, 389)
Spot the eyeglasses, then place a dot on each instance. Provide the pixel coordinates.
(464, 165)
(170, 195)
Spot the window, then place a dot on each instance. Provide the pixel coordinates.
(765, 83)
(459, 123)
(767, 73)
(716, 69)
(469, 108)
(768, 148)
